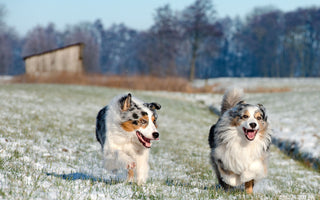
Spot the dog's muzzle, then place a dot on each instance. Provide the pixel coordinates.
(250, 133)
(146, 142)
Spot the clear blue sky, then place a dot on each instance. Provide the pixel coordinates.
(23, 15)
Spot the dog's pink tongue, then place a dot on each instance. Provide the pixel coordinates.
(148, 144)
(251, 134)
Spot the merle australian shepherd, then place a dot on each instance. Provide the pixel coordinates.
(125, 128)
(240, 142)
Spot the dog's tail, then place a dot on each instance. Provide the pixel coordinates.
(231, 98)
(101, 128)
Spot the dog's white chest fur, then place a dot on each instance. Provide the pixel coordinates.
(244, 159)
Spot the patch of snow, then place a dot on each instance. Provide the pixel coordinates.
(265, 186)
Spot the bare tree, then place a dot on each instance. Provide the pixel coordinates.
(6, 56)
(8, 43)
(167, 40)
(40, 39)
(117, 49)
(5, 47)
(198, 23)
(86, 33)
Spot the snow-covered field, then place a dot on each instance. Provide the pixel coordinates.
(48, 148)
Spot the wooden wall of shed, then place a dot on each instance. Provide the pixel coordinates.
(67, 60)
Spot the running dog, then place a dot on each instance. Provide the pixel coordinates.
(125, 128)
(240, 142)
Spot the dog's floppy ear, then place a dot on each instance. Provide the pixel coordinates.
(125, 102)
(153, 106)
(263, 110)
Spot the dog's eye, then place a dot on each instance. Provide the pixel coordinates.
(245, 116)
(143, 121)
(259, 118)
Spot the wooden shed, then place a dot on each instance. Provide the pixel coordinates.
(67, 59)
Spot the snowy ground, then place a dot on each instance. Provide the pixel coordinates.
(295, 84)
(48, 148)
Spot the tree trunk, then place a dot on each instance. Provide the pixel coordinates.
(194, 57)
(193, 66)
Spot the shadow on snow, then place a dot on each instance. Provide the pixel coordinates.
(216, 187)
(82, 176)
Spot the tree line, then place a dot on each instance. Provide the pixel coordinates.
(191, 43)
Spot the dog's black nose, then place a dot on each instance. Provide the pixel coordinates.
(155, 135)
(253, 125)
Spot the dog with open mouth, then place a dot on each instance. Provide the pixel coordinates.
(125, 129)
(240, 142)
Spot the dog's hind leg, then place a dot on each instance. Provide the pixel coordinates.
(221, 183)
(249, 186)
(227, 179)
(224, 185)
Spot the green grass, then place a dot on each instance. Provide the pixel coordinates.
(49, 129)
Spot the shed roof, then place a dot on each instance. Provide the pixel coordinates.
(53, 50)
